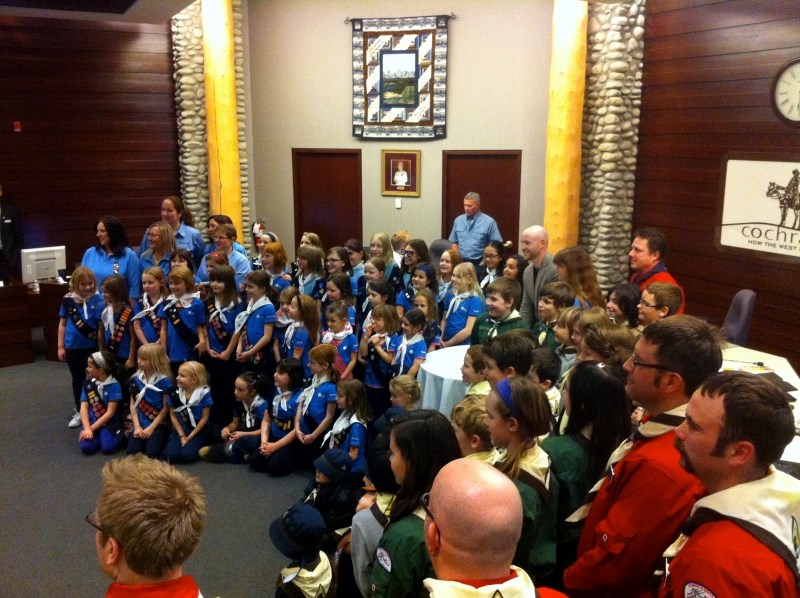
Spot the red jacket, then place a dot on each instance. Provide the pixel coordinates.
(634, 517)
(726, 560)
(658, 274)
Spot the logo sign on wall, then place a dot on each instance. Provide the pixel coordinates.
(761, 207)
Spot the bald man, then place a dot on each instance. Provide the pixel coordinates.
(541, 270)
(471, 532)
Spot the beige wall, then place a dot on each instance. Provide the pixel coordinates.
(300, 87)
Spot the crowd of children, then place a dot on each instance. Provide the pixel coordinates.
(316, 368)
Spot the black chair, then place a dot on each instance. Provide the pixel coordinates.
(736, 327)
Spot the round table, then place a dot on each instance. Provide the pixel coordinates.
(440, 379)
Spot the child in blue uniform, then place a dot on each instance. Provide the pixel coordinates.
(79, 316)
(277, 453)
(412, 348)
(349, 431)
(340, 336)
(99, 403)
(464, 308)
(317, 403)
(185, 315)
(115, 333)
(189, 410)
(146, 323)
(282, 319)
(423, 278)
(150, 389)
(303, 333)
(426, 302)
(378, 347)
(255, 325)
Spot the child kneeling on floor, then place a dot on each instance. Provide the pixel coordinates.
(99, 401)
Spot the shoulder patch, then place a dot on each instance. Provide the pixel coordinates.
(695, 590)
(384, 559)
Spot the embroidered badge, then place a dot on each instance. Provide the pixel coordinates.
(384, 559)
(796, 537)
(695, 590)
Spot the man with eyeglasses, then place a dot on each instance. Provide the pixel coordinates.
(473, 230)
(471, 532)
(149, 519)
(634, 512)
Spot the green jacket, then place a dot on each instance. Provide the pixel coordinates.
(401, 561)
(484, 325)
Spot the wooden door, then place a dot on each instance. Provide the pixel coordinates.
(327, 194)
(495, 175)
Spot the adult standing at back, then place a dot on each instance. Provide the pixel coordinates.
(112, 255)
(473, 230)
(181, 221)
(648, 250)
(10, 241)
(540, 270)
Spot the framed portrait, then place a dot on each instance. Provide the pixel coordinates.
(400, 173)
(400, 78)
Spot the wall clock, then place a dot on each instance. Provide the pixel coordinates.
(786, 92)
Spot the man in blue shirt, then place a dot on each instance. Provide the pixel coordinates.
(473, 230)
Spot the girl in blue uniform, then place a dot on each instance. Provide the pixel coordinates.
(349, 431)
(79, 316)
(423, 278)
(189, 410)
(222, 307)
(317, 403)
(184, 335)
(340, 336)
(412, 348)
(150, 388)
(378, 347)
(426, 302)
(255, 325)
(115, 333)
(277, 453)
(146, 323)
(303, 333)
(99, 402)
(338, 288)
(464, 308)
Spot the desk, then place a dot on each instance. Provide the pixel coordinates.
(440, 379)
(742, 358)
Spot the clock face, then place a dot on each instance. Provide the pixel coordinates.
(786, 92)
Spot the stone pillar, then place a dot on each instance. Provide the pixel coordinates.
(611, 135)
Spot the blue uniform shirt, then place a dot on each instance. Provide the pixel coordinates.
(104, 265)
(473, 234)
(471, 306)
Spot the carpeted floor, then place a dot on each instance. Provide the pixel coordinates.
(47, 487)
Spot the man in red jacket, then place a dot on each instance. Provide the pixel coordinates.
(648, 250)
(639, 505)
(741, 539)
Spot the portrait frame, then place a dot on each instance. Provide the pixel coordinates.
(400, 77)
(393, 164)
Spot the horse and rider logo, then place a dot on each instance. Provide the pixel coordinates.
(788, 198)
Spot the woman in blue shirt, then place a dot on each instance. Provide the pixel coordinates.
(112, 255)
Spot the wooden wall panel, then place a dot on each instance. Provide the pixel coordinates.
(708, 69)
(96, 104)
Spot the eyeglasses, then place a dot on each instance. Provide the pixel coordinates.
(409, 253)
(426, 504)
(646, 304)
(91, 519)
(654, 366)
(490, 256)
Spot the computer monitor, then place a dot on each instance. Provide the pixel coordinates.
(42, 263)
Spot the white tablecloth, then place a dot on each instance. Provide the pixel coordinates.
(440, 379)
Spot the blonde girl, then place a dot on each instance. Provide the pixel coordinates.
(381, 246)
(447, 263)
(78, 319)
(404, 392)
(255, 325)
(303, 333)
(517, 412)
(376, 350)
(189, 411)
(101, 429)
(310, 272)
(146, 323)
(426, 301)
(349, 431)
(185, 315)
(150, 388)
(464, 308)
(317, 403)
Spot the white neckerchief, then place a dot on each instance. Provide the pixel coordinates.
(107, 318)
(185, 300)
(305, 397)
(653, 428)
(365, 304)
(81, 301)
(338, 336)
(148, 385)
(284, 396)
(344, 421)
(241, 319)
(219, 311)
(456, 302)
(249, 415)
(282, 319)
(148, 307)
(489, 278)
(287, 339)
(495, 323)
(303, 280)
(444, 287)
(100, 385)
(197, 394)
(385, 339)
(400, 356)
(367, 321)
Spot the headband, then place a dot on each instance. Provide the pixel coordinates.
(503, 389)
(98, 358)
